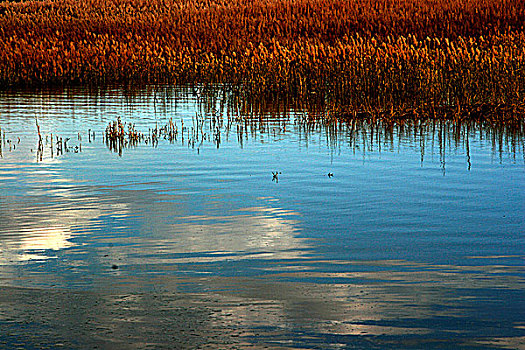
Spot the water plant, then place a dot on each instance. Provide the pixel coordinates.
(397, 58)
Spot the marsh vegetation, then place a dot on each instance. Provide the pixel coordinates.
(460, 59)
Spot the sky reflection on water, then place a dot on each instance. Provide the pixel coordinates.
(415, 241)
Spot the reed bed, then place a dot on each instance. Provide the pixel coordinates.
(458, 59)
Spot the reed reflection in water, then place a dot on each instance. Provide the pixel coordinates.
(415, 241)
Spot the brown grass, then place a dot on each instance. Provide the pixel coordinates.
(392, 57)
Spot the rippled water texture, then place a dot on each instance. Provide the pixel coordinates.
(255, 226)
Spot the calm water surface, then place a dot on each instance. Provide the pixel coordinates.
(370, 235)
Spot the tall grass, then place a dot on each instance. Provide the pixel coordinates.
(391, 57)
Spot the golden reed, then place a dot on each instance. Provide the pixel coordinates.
(393, 57)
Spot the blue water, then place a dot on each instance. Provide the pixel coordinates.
(371, 235)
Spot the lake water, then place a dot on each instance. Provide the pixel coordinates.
(256, 226)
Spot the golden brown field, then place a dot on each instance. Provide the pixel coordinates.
(397, 58)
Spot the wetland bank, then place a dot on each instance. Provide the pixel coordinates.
(265, 174)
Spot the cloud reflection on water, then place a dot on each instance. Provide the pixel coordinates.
(413, 310)
(204, 247)
(59, 213)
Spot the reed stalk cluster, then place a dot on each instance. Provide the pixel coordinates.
(408, 56)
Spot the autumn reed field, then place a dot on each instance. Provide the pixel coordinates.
(461, 58)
